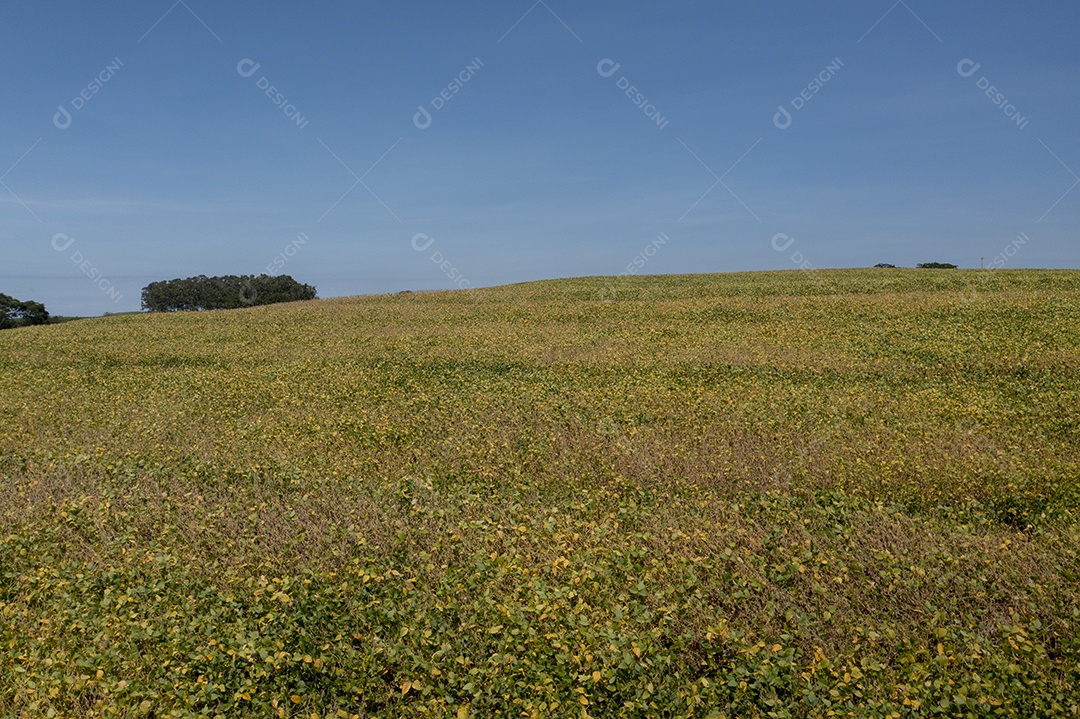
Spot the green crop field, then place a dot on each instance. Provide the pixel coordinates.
(793, 494)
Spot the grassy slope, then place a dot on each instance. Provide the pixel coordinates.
(849, 491)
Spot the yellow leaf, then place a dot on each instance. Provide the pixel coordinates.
(463, 712)
(596, 676)
(295, 698)
(584, 701)
(405, 687)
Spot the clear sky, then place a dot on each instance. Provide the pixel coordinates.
(377, 146)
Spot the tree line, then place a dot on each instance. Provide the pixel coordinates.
(17, 313)
(223, 293)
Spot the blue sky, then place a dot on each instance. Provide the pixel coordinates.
(139, 142)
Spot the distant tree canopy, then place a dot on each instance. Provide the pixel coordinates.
(222, 293)
(935, 266)
(15, 313)
(885, 265)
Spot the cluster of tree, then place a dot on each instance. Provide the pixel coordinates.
(15, 313)
(222, 293)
